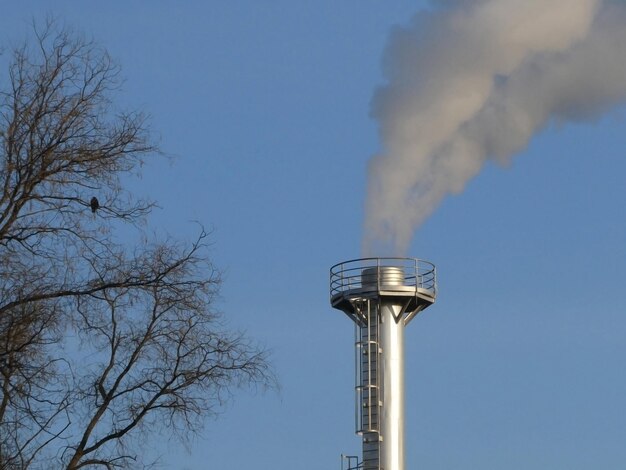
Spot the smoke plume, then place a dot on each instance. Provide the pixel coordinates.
(474, 80)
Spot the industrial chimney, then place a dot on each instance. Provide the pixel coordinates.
(381, 296)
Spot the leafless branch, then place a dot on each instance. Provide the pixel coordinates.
(100, 343)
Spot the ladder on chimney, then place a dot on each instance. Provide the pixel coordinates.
(368, 392)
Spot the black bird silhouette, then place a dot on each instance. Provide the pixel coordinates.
(94, 204)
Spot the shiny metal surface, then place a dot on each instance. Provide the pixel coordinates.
(392, 390)
(381, 295)
(387, 276)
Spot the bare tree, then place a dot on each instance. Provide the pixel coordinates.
(100, 343)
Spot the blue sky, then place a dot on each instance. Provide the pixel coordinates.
(264, 107)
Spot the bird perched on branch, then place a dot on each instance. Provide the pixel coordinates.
(94, 204)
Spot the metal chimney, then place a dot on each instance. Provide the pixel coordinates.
(381, 296)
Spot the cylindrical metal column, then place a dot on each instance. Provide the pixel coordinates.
(392, 393)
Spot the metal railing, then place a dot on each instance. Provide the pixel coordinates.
(352, 461)
(361, 273)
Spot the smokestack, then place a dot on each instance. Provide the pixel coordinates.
(470, 81)
(381, 296)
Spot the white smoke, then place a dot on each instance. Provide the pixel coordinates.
(474, 80)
